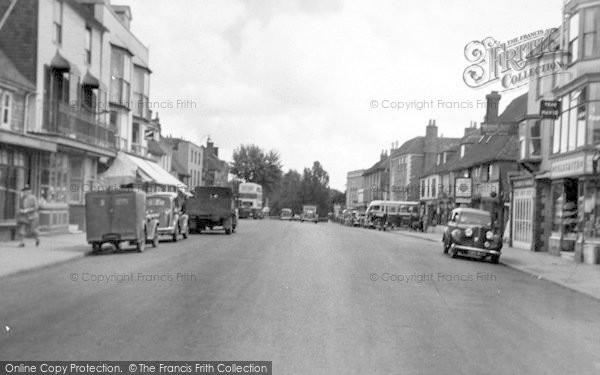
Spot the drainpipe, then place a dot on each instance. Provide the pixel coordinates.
(7, 13)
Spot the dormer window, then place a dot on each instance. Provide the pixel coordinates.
(462, 150)
(439, 159)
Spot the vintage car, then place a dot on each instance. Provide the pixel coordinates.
(470, 233)
(286, 214)
(166, 208)
(117, 217)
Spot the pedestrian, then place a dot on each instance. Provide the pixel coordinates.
(28, 218)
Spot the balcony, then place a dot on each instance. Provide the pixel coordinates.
(139, 150)
(79, 124)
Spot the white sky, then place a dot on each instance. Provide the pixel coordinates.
(298, 76)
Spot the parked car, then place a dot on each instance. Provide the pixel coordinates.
(117, 217)
(309, 213)
(296, 217)
(166, 207)
(470, 233)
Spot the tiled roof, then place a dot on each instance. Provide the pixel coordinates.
(379, 166)
(412, 146)
(514, 111)
(490, 148)
(11, 75)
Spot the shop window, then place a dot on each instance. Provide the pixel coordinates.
(592, 209)
(76, 183)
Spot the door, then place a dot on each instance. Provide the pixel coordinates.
(522, 226)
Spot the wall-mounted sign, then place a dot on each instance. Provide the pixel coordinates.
(488, 189)
(573, 166)
(550, 109)
(463, 189)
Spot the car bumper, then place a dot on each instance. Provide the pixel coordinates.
(475, 251)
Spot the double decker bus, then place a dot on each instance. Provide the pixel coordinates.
(250, 200)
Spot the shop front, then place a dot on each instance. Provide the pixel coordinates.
(20, 156)
(576, 208)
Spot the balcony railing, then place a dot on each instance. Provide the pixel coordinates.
(79, 124)
(139, 149)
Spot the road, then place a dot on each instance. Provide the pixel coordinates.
(312, 298)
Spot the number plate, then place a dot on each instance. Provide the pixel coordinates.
(473, 253)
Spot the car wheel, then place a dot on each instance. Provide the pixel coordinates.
(495, 259)
(141, 245)
(445, 245)
(453, 252)
(96, 246)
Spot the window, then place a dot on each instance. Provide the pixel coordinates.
(439, 159)
(572, 132)
(545, 83)
(433, 188)
(135, 133)
(422, 188)
(140, 92)
(462, 150)
(574, 37)
(591, 33)
(120, 71)
(5, 108)
(530, 141)
(58, 11)
(88, 45)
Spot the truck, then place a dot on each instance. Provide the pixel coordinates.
(309, 213)
(210, 207)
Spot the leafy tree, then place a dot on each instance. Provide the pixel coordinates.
(315, 188)
(253, 164)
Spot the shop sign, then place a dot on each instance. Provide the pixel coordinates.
(550, 109)
(574, 166)
(463, 190)
(488, 189)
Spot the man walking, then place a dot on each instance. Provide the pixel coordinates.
(28, 218)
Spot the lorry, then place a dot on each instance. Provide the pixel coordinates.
(209, 207)
(309, 213)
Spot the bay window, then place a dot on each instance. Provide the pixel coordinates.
(140, 92)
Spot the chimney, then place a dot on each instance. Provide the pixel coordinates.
(472, 130)
(431, 130)
(493, 100)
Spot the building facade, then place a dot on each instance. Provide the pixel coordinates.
(559, 156)
(355, 185)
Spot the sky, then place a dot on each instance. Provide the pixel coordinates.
(316, 79)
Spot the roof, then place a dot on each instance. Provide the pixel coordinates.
(515, 111)
(11, 75)
(412, 146)
(178, 168)
(490, 148)
(379, 166)
(154, 148)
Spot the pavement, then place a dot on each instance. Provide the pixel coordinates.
(580, 277)
(318, 299)
(53, 249)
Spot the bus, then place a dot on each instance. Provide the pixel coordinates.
(250, 202)
(394, 213)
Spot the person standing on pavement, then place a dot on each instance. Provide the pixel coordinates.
(28, 218)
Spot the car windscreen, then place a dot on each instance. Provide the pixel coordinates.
(475, 218)
(157, 202)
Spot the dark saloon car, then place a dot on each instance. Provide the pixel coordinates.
(470, 233)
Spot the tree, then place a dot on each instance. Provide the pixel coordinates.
(288, 194)
(315, 188)
(253, 164)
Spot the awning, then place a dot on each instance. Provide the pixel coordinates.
(128, 169)
(60, 63)
(90, 81)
